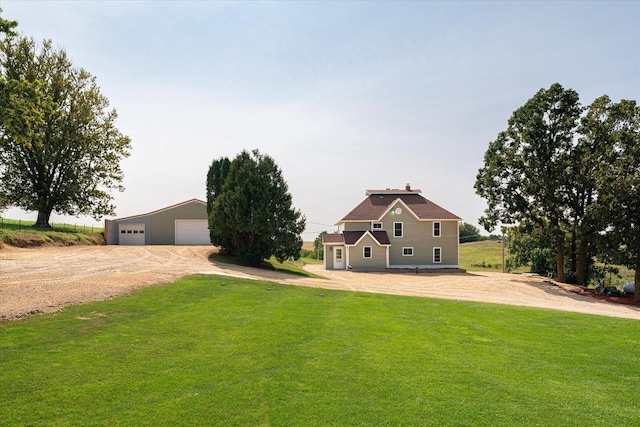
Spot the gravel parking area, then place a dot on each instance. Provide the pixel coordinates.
(46, 279)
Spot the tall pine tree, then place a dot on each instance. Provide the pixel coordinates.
(252, 215)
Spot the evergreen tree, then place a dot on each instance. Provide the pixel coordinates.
(252, 216)
(218, 172)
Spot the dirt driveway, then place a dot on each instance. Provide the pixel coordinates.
(47, 279)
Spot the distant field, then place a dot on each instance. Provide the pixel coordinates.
(487, 256)
(483, 256)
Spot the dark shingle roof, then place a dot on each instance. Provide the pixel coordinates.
(394, 191)
(381, 237)
(332, 238)
(373, 207)
(351, 237)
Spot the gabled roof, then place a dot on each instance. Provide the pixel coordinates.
(378, 203)
(351, 238)
(177, 205)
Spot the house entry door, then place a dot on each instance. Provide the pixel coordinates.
(338, 259)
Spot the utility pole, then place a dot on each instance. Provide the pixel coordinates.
(503, 249)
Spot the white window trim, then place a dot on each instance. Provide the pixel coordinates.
(401, 229)
(407, 247)
(438, 249)
(374, 228)
(439, 229)
(364, 252)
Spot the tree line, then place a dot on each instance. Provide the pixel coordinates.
(565, 179)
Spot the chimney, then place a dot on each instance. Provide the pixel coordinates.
(407, 187)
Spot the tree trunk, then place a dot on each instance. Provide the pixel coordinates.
(560, 262)
(581, 269)
(43, 219)
(573, 261)
(636, 289)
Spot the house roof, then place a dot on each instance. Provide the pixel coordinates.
(378, 203)
(352, 237)
(332, 238)
(407, 190)
(163, 209)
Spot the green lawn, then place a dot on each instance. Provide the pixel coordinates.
(230, 352)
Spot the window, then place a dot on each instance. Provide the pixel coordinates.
(437, 255)
(123, 231)
(436, 229)
(397, 229)
(366, 252)
(376, 226)
(407, 251)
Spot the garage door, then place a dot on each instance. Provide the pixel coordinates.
(131, 234)
(192, 232)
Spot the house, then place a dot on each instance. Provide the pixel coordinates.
(394, 229)
(181, 224)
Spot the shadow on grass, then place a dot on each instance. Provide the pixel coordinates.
(552, 287)
(290, 268)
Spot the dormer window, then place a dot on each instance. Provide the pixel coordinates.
(376, 226)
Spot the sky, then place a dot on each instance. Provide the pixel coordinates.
(345, 96)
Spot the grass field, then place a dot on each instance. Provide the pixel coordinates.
(482, 256)
(22, 234)
(231, 352)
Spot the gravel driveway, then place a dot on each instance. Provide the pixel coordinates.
(46, 279)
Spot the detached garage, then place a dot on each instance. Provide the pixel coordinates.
(182, 224)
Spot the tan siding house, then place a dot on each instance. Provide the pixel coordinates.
(394, 229)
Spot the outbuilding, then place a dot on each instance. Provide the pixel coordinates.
(181, 224)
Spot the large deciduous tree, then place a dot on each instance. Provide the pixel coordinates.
(524, 176)
(619, 184)
(59, 147)
(561, 176)
(252, 214)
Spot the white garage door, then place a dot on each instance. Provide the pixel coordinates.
(192, 232)
(131, 234)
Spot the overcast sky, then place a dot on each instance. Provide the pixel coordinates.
(345, 96)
